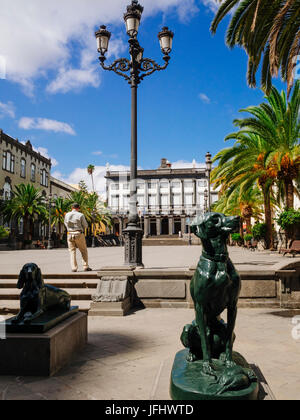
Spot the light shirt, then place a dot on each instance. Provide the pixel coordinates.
(75, 222)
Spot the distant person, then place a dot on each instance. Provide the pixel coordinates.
(76, 225)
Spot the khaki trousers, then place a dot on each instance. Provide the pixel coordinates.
(77, 240)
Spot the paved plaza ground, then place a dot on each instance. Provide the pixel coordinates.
(131, 358)
(57, 260)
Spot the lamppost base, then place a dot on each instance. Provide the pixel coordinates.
(50, 245)
(133, 239)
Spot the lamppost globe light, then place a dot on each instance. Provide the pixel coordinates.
(133, 17)
(103, 37)
(166, 40)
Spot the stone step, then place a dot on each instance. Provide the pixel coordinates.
(73, 276)
(61, 284)
(76, 294)
(13, 306)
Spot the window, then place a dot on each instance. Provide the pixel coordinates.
(115, 202)
(114, 187)
(177, 199)
(152, 200)
(44, 178)
(164, 200)
(33, 172)
(8, 163)
(188, 199)
(23, 168)
(126, 186)
(140, 187)
(126, 199)
(188, 184)
(7, 191)
(141, 200)
(164, 185)
(202, 183)
(176, 184)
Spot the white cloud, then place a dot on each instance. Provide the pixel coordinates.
(98, 153)
(46, 124)
(183, 164)
(46, 38)
(7, 110)
(204, 98)
(212, 4)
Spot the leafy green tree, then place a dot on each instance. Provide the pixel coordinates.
(247, 204)
(277, 122)
(268, 31)
(28, 204)
(242, 167)
(60, 209)
(4, 232)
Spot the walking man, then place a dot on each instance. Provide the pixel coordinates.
(76, 225)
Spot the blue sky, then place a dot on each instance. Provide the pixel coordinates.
(56, 94)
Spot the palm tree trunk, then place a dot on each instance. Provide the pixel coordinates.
(248, 224)
(289, 193)
(93, 183)
(268, 219)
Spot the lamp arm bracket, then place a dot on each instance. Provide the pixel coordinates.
(120, 67)
(149, 66)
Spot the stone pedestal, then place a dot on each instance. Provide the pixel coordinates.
(110, 308)
(43, 354)
(114, 296)
(133, 237)
(188, 382)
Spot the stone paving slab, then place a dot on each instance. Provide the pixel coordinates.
(125, 357)
(183, 257)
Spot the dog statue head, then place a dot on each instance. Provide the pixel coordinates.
(212, 225)
(29, 275)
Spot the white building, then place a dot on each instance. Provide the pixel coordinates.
(167, 198)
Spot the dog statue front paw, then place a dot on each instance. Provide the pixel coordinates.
(208, 370)
(191, 357)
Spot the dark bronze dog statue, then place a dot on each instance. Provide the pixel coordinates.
(36, 297)
(215, 287)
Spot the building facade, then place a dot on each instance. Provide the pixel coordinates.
(21, 164)
(167, 198)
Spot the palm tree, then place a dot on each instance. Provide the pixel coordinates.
(278, 123)
(268, 32)
(247, 204)
(91, 170)
(27, 204)
(61, 208)
(244, 165)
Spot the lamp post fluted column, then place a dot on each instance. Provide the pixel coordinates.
(134, 71)
(208, 175)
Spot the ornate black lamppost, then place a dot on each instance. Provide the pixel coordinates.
(50, 243)
(208, 162)
(205, 201)
(134, 71)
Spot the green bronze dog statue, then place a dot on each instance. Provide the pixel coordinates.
(36, 297)
(215, 287)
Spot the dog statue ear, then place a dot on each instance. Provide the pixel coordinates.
(39, 278)
(198, 227)
(21, 280)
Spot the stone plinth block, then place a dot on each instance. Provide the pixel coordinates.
(188, 382)
(110, 308)
(43, 354)
(169, 289)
